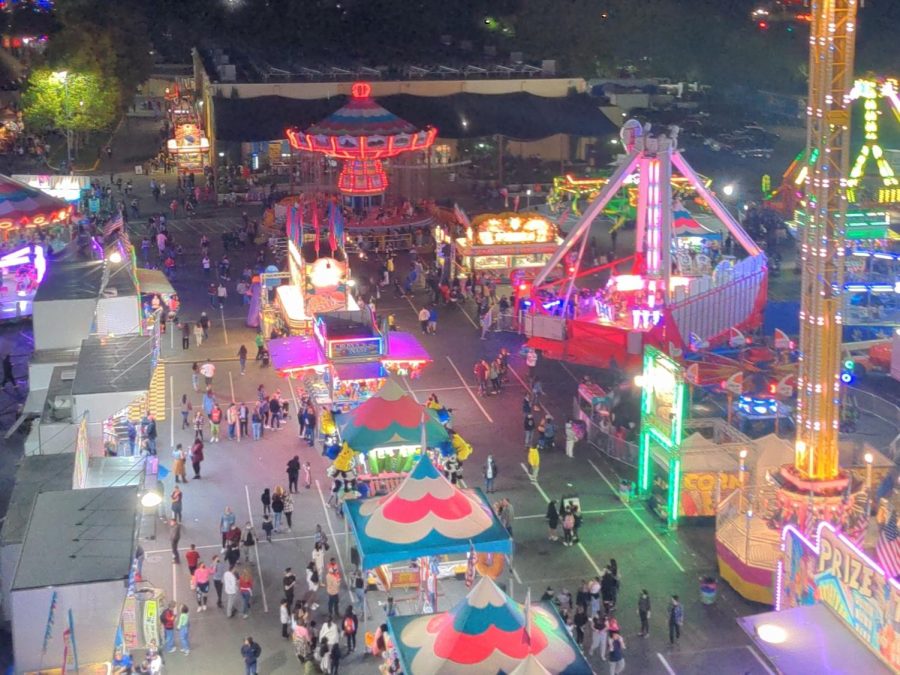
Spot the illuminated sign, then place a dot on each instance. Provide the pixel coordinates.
(835, 572)
(355, 348)
(699, 491)
(663, 410)
(511, 228)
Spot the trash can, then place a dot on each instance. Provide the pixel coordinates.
(707, 590)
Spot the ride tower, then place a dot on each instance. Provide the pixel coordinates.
(811, 483)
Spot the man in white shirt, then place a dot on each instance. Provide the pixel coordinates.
(423, 319)
(329, 631)
(230, 582)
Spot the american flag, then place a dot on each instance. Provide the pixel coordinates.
(888, 547)
(113, 224)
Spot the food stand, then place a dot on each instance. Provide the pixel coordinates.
(190, 148)
(501, 243)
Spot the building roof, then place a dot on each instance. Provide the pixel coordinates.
(78, 537)
(36, 474)
(66, 280)
(111, 364)
(519, 116)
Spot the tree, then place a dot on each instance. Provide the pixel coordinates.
(82, 102)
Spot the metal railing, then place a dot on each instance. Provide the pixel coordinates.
(614, 448)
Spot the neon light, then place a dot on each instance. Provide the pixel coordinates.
(22, 257)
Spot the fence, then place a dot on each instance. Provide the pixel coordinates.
(614, 448)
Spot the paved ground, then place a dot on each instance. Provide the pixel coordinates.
(235, 473)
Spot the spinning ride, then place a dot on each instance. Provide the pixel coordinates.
(362, 134)
(668, 297)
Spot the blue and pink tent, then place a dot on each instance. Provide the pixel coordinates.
(487, 633)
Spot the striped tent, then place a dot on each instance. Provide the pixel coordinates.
(24, 206)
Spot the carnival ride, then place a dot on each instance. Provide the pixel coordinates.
(814, 488)
(667, 296)
(871, 195)
(362, 134)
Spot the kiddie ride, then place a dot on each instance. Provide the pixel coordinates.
(668, 295)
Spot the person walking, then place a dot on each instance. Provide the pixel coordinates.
(529, 428)
(277, 508)
(307, 475)
(644, 612)
(195, 374)
(552, 521)
(250, 652)
(185, 334)
(288, 509)
(266, 499)
(568, 523)
(242, 358)
(248, 540)
(359, 586)
(616, 653)
(267, 528)
(215, 419)
(243, 415)
(293, 472)
(570, 438)
(676, 619)
(168, 620)
(196, 456)
(351, 627)
(174, 538)
(226, 522)
(230, 585)
(208, 371)
(218, 573)
(186, 410)
(423, 320)
(177, 501)
(198, 334)
(178, 464)
(183, 625)
(432, 319)
(312, 584)
(534, 462)
(288, 585)
(245, 586)
(199, 421)
(333, 589)
(490, 473)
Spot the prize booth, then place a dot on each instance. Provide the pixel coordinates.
(500, 243)
(290, 300)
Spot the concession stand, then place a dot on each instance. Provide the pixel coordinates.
(500, 243)
(189, 148)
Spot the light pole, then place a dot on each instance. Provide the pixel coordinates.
(62, 76)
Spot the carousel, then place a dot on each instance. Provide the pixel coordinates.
(362, 134)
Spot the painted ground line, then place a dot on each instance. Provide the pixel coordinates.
(428, 391)
(337, 549)
(547, 499)
(584, 513)
(262, 586)
(662, 659)
(469, 389)
(275, 540)
(224, 325)
(174, 581)
(231, 384)
(639, 519)
(410, 390)
(172, 411)
(571, 374)
(471, 320)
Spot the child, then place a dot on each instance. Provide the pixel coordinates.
(193, 559)
(267, 527)
(307, 474)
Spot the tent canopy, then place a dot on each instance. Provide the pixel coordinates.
(485, 634)
(390, 418)
(426, 515)
(24, 206)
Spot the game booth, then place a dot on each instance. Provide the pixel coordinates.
(836, 608)
(427, 519)
(347, 359)
(500, 244)
(488, 632)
